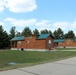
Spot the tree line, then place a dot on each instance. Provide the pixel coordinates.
(6, 37)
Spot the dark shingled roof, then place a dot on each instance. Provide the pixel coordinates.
(18, 38)
(74, 39)
(58, 40)
(43, 36)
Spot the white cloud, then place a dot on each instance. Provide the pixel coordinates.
(65, 26)
(21, 22)
(73, 25)
(40, 25)
(18, 6)
(2, 23)
(20, 31)
(2, 5)
(43, 23)
(62, 25)
(43, 28)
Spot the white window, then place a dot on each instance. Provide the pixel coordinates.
(28, 42)
(60, 43)
(19, 42)
(49, 41)
(67, 42)
(29, 36)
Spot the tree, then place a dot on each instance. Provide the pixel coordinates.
(45, 31)
(55, 34)
(26, 31)
(69, 35)
(66, 36)
(58, 34)
(4, 38)
(50, 32)
(1, 36)
(36, 32)
(18, 33)
(12, 32)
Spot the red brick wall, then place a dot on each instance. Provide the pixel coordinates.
(67, 43)
(41, 44)
(22, 45)
(48, 46)
(35, 43)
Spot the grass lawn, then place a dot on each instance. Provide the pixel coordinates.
(66, 48)
(24, 58)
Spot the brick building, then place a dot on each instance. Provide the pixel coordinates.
(33, 42)
(65, 43)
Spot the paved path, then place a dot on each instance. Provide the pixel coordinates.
(62, 67)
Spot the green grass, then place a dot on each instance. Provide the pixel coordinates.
(24, 58)
(66, 48)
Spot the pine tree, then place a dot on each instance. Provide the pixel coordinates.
(69, 35)
(36, 32)
(4, 38)
(58, 34)
(45, 31)
(12, 32)
(26, 31)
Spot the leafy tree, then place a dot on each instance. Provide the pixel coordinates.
(36, 32)
(12, 32)
(26, 31)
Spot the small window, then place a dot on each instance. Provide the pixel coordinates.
(19, 42)
(49, 41)
(29, 36)
(28, 42)
(60, 43)
(67, 42)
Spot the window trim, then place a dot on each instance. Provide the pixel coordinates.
(19, 42)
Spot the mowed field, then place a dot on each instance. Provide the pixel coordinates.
(29, 58)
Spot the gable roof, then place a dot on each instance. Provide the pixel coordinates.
(18, 38)
(58, 40)
(74, 39)
(43, 36)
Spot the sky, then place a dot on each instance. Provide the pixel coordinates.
(39, 14)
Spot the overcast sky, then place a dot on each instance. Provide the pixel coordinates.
(40, 14)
